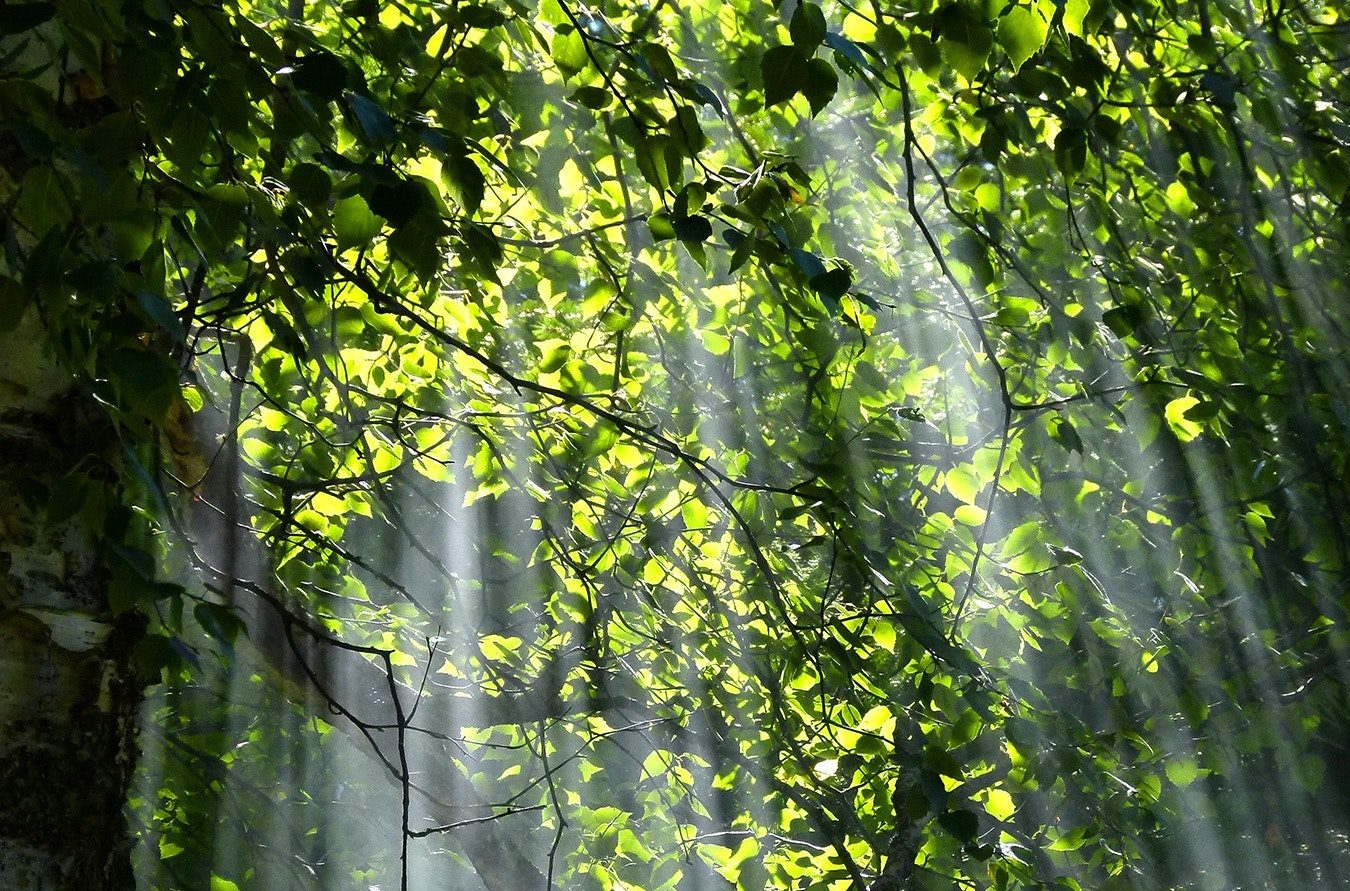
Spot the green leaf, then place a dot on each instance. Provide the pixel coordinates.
(1062, 431)
(787, 71)
(1312, 770)
(219, 621)
(999, 804)
(1221, 88)
(158, 311)
(741, 248)
(850, 52)
(925, 51)
(657, 62)
(478, 15)
(483, 248)
(466, 180)
(1022, 33)
(1070, 841)
(154, 653)
(661, 226)
(569, 52)
(1182, 771)
(1204, 410)
(125, 591)
(354, 224)
(964, 57)
(690, 200)
(964, 38)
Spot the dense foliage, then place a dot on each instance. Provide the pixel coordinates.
(840, 445)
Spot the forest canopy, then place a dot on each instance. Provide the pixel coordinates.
(674, 445)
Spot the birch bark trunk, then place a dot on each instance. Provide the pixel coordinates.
(69, 690)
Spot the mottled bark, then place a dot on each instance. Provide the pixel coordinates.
(68, 689)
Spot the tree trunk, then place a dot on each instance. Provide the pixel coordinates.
(68, 687)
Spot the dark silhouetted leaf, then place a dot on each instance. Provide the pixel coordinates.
(1123, 320)
(374, 121)
(785, 73)
(15, 18)
(807, 27)
(321, 74)
(832, 284)
(1063, 432)
(592, 97)
(692, 229)
(398, 201)
(821, 83)
(962, 824)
